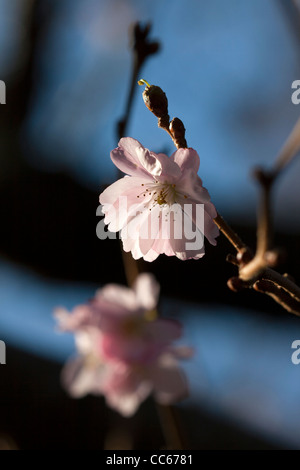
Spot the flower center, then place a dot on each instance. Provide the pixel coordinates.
(161, 193)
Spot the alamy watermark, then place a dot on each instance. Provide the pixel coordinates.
(2, 353)
(175, 221)
(295, 358)
(2, 92)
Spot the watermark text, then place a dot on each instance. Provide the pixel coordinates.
(2, 92)
(2, 353)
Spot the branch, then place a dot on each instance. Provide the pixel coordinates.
(267, 179)
(280, 296)
(142, 48)
(254, 271)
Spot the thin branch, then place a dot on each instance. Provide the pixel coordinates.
(264, 220)
(230, 234)
(142, 48)
(169, 424)
(280, 296)
(288, 152)
(266, 180)
(284, 282)
(254, 272)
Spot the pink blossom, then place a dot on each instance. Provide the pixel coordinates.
(125, 386)
(119, 319)
(125, 351)
(156, 207)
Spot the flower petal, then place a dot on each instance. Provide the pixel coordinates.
(170, 171)
(126, 388)
(122, 186)
(71, 321)
(130, 349)
(190, 185)
(127, 403)
(147, 291)
(164, 330)
(150, 229)
(126, 157)
(149, 161)
(169, 381)
(131, 233)
(118, 295)
(186, 159)
(79, 380)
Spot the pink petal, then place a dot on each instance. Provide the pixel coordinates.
(150, 229)
(152, 255)
(121, 201)
(170, 171)
(162, 244)
(130, 350)
(131, 233)
(79, 317)
(126, 388)
(119, 295)
(211, 231)
(79, 380)
(147, 291)
(169, 381)
(190, 185)
(126, 157)
(182, 352)
(122, 213)
(164, 330)
(133, 159)
(207, 225)
(86, 340)
(187, 243)
(149, 161)
(183, 253)
(131, 245)
(187, 159)
(127, 404)
(64, 318)
(125, 396)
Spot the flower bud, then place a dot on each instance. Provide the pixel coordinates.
(156, 101)
(177, 130)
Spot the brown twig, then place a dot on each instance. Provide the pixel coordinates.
(266, 180)
(257, 271)
(230, 234)
(142, 48)
(278, 294)
(288, 152)
(284, 282)
(258, 266)
(169, 424)
(254, 271)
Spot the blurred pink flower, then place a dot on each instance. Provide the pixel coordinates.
(162, 206)
(126, 386)
(125, 351)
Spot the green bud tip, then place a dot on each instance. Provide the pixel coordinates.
(144, 82)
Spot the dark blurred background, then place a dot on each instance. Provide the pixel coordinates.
(227, 69)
